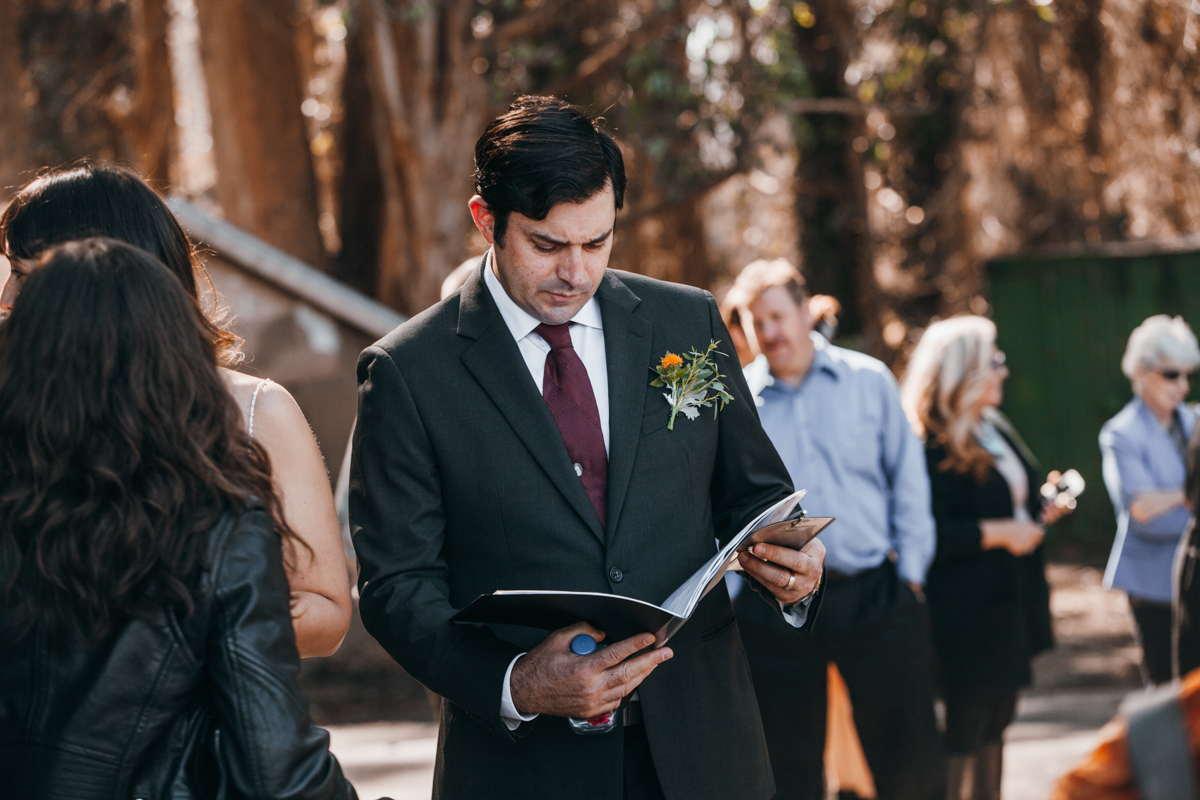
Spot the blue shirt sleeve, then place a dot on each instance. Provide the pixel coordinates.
(1125, 476)
(903, 463)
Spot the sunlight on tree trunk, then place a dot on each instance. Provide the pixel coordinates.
(428, 108)
(265, 179)
(15, 96)
(148, 114)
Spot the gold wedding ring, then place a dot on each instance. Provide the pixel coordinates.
(791, 582)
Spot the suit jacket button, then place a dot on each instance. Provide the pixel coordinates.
(615, 575)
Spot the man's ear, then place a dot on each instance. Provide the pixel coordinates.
(485, 220)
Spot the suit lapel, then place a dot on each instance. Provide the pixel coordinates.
(627, 343)
(496, 362)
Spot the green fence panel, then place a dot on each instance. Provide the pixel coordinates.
(1063, 321)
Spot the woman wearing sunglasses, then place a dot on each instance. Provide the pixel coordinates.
(1144, 447)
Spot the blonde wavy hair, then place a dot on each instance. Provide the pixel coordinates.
(946, 377)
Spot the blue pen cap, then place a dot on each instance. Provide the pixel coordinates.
(583, 645)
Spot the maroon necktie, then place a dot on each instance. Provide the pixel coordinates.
(568, 393)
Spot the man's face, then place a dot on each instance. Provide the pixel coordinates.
(782, 327)
(552, 267)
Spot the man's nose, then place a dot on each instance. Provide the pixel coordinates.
(571, 266)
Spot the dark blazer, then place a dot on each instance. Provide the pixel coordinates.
(990, 610)
(1185, 577)
(120, 719)
(461, 485)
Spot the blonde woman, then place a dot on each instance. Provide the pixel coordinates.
(987, 592)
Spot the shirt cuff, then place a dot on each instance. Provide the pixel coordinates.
(508, 712)
(797, 613)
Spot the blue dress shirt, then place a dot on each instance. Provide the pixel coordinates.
(1139, 455)
(844, 437)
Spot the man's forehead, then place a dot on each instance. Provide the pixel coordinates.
(577, 223)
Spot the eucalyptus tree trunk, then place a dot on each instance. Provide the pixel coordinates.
(428, 108)
(830, 197)
(147, 113)
(84, 79)
(15, 97)
(265, 179)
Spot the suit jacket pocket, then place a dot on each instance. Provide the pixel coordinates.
(657, 419)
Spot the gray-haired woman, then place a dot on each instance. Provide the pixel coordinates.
(1144, 448)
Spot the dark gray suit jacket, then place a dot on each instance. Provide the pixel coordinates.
(461, 485)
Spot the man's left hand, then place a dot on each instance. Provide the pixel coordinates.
(791, 575)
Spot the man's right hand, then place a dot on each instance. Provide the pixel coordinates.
(550, 679)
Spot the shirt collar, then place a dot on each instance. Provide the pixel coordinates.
(822, 358)
(822, 361)
(519, 322)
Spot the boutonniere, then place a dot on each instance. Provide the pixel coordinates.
(690, 377)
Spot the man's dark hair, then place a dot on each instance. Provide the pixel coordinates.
(544, 151)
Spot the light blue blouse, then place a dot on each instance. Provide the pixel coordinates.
(1139, 455)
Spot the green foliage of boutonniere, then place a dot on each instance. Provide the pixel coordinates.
(690, 377)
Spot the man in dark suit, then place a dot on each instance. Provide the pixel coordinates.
(509, 438)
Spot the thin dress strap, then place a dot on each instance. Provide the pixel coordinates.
(253, 403)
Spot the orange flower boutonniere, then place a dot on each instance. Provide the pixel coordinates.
(690, 377)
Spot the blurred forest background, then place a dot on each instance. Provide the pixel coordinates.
(888, 146)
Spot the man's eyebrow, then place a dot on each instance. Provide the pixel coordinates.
(551, 240)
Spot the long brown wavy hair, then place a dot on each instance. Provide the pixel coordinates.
(80, 200)
(120, 446)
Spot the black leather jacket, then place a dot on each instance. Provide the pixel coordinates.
(137, 716)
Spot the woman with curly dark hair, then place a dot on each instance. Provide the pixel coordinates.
(81, 200)
(143, 598)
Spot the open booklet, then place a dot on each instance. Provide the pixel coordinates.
(619, 617)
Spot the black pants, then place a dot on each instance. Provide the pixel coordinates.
(877, 633)
(1153, 622)
(641, 779)
(975, 722)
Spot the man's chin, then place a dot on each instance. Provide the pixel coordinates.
(556, 313)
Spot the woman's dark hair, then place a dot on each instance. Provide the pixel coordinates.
(120, 446)
(544, 151)
(77, 201)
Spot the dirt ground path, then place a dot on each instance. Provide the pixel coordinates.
(1077, 688)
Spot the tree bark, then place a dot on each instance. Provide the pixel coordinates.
(830, 197)
(15, 95)
(429, 108)
(265, 180)
(360, 198)
(148, 119)
(79, 58)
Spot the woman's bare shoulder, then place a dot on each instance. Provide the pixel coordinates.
(274, 410)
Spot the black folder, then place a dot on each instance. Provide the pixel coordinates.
(620, 617)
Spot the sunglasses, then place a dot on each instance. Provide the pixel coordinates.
(1174, 375)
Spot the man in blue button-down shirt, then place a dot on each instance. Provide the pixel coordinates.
(834, 415)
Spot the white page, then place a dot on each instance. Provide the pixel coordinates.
(683, 600)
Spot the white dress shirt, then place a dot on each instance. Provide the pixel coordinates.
(587, 337)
